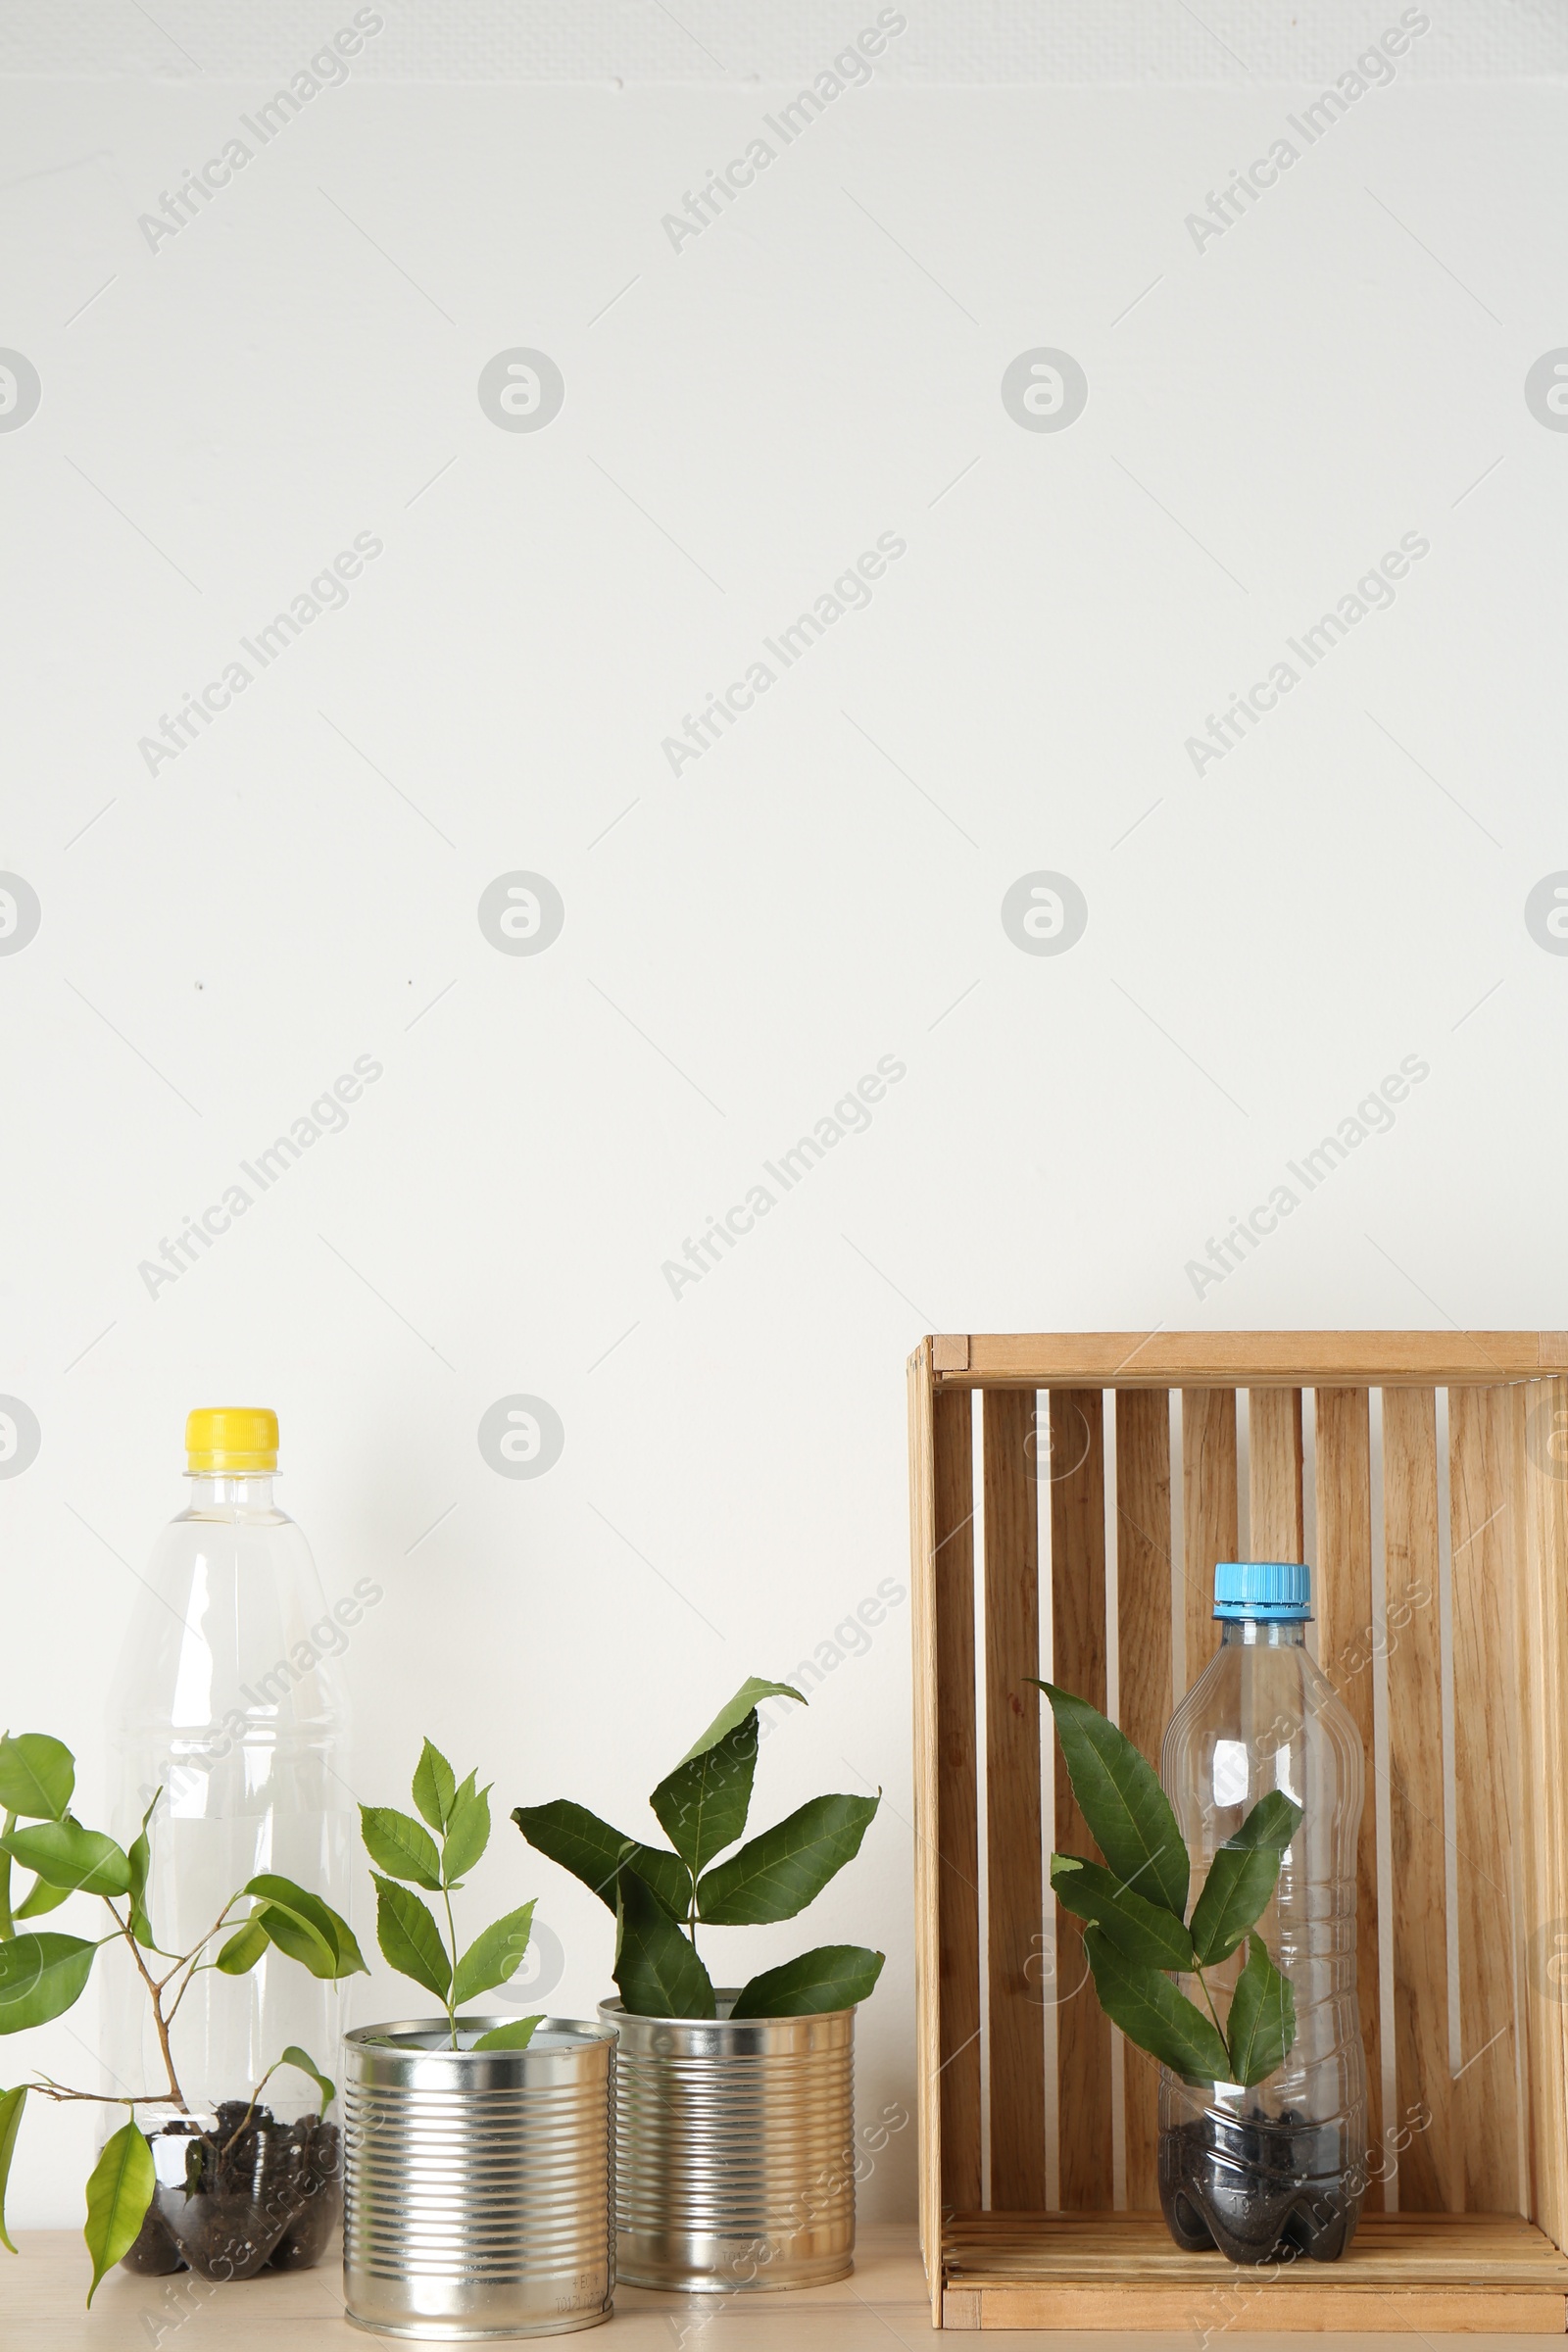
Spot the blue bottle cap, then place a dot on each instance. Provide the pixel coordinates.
(1271, 1592)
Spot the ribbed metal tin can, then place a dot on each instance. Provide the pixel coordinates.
(735, 2150)
(479, 2186)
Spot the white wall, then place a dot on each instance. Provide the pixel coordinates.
(219, 939)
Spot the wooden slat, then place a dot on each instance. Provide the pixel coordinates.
(1429, 2173)
(1419, 2249)
(927, 1818)
(1208, 1514)
(1486, 1768)
(1245, 1359)
(1145, 1693)
(1403, 2274)
(958, 1816)
(1277, 1527)
(1078, 1664)
(1313, 2307)
(1015, 1916)
(1543, 1842)
(1343, 1604)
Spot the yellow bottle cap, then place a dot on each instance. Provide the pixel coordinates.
(230, 1437)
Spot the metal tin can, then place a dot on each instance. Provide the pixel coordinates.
(735, 2150)
(479, 2186)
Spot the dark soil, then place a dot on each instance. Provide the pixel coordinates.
(1260, 2191)
(267, 2195)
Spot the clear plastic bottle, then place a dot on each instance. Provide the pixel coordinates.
(1277, 2169)
(228, 1700)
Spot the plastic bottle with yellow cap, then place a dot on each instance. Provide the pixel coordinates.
(229, 1717)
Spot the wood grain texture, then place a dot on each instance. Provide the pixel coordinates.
(1146, 1691)
(1429, 2173)
(1275, 1515)
(1404, 2274)
(1078, 1664)
(1484, 1518)
(1014, 1908)
(1343, 1603)
(1545, 1777)
(1247, 1359)
(1209, 1515)
(1315, 2307)
(958, 1812)
(927, 1817)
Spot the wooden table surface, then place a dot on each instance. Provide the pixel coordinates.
(882, 2306)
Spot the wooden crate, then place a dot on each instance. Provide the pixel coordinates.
(1481, 2145)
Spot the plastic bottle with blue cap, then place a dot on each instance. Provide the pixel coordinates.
(1277, 2169)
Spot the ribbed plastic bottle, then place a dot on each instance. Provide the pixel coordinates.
(1278, 2170)
(229, 1701)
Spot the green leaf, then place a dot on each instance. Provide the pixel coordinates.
(306, 1929)
(40, 1976)
(410, 1939)
(42, 1898)
(834, 1976)
(295, 2056)
(434, 1787)
(1128, 1813)
(1273, 1821)
(703, 1804)
(1262, 2018)
(1241, 1877)
(735, 1711)
(777, 1874)
(37, 1775)
(400, 1846)
(1142, 1932)
(513, 2037)
(492, 1957)
(64, 1855)
(656, 1971)
(467, 1831)
(119, 2193)
(11, 2103)
(141, 1861)
(1153, 2014)
(245, 1946)
(592, 1852)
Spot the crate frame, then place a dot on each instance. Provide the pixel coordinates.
(1445, 2261)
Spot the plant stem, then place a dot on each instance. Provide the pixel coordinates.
(8, 1926)
(1209, 1999)
(452, 1982)
(251, 2109)
(154, 1991)
(48, 2089)
(197, 1949)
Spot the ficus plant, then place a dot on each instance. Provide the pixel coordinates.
(43, 1974)
(458, 1813)
(662, 1895)
(1138, 1930)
